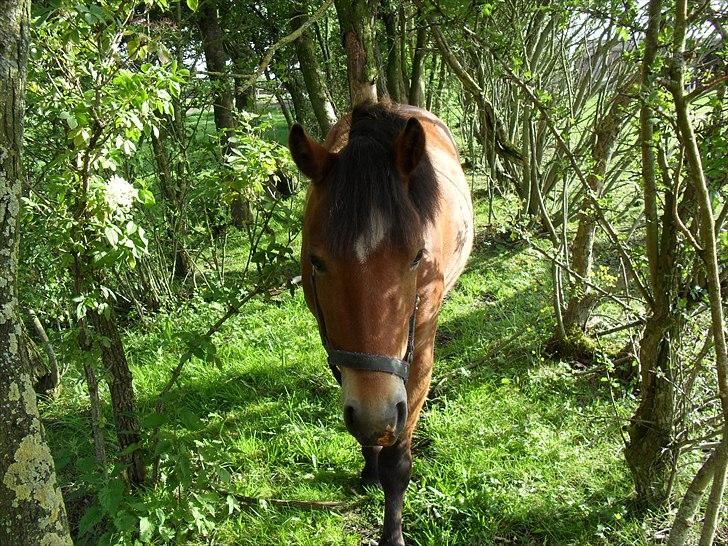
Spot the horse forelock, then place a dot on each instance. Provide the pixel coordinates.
(368, 202)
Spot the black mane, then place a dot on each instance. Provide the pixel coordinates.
(365, 190)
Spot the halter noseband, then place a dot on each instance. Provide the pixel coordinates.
(366, 361)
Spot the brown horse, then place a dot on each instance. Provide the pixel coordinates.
(388, 227)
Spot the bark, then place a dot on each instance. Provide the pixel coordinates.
(96, 429)
(223, 101)
(606, 132)
(491, 120)
(690, 502)
(356, 21)
(416, 86)
(323, 108)
(216, 59)
(50, 380)
(176, 220)
(431, 83)
(709, 255)
(245, 95)
(441, 79)
(294, 88)
(31, 504)
(651, 453)
(123, 401)
(395, 81)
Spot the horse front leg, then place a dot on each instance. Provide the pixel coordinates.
(370, 472)
(395, 462)
(395, 465)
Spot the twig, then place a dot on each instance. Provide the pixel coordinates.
(598, 288)
(294, 503)
(477, 362)
(292, 37)
(621, 327)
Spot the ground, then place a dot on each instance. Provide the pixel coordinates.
(511, 448)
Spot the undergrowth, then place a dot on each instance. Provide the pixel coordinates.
(511, 448)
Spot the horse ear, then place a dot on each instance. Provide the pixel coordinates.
(409, 147)
(308, 155)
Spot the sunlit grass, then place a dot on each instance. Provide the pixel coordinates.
(512, 448)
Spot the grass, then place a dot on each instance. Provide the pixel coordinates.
(511, 448)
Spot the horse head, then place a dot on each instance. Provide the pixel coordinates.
(362, 246)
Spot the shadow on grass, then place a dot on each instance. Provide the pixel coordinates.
(296, 397)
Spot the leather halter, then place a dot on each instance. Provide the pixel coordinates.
(366, 361)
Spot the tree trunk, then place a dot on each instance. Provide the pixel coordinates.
(395, 81)
(313, 77)
(437, 102)
(51, 379)
(293, 86)
(215, 60)
(356, 21)
(651, 453)
(416, 86)
(431, 83)
(175, 213)
(583, 299)
(223, 100)
(242, 57)
(123, 401)
(710, 256)
(31, 503)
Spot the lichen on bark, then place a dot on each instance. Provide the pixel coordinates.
(31, 505)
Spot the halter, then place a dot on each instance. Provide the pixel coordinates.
(366, 361)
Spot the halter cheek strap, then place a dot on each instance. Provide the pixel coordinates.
(365, 361)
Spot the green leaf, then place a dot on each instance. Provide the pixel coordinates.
(193, 4)
(111, 235)
(232, 504)
(190, 420)
(146, 529)
(146, 197)
(154, 420)
(224, 475)
(110, 496)
(91, 518)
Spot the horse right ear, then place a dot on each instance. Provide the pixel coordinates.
(309, 156)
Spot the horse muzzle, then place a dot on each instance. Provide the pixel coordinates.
(379, 421)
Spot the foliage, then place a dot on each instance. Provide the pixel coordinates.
(129, 211)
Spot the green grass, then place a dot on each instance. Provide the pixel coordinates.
(512, 448)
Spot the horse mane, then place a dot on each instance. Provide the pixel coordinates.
(368, 202)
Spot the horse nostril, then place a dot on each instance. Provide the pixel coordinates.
(401, 414)
(349, 417)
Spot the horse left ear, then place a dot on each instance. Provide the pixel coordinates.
(409, 147)
(308, 155)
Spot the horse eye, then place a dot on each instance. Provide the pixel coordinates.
(418, 258)
(317, 263)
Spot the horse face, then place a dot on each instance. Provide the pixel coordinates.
(366, 307)
(366, 296)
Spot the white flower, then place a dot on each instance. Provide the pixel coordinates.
(120, 194)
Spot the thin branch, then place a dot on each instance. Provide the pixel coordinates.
(593, 200)
(294, 503)
(268, 57)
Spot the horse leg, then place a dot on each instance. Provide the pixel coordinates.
(395, 462)
(370, 472)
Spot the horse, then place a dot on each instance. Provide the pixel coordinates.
(387, 230)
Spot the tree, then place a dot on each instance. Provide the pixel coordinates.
(356, 21)
(318, 95)
(30, 500)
